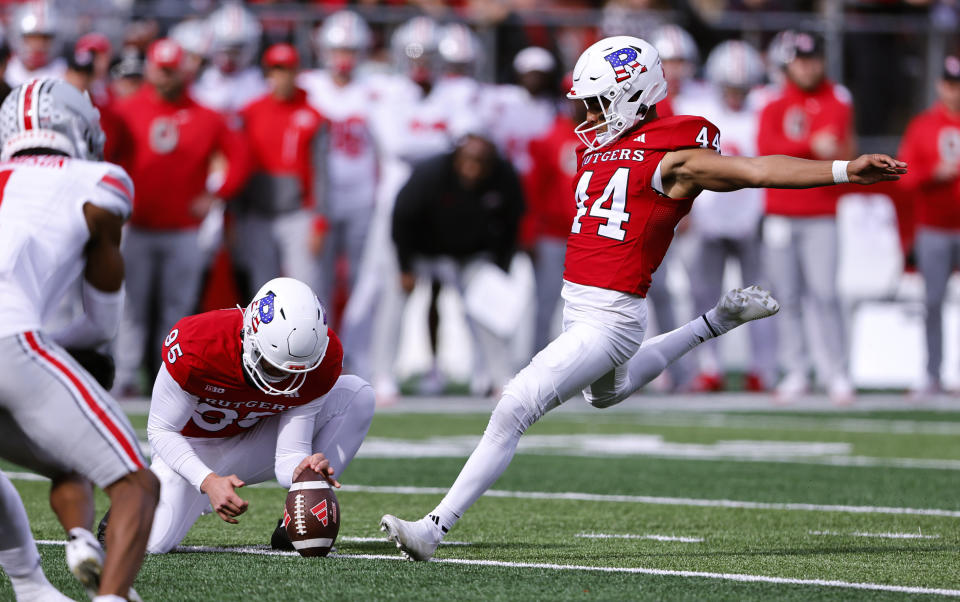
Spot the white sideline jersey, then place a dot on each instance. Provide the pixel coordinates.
(352, 169)
(515, 118)
(17, 73)
(228, 93)
(726, 214)
(43, 231)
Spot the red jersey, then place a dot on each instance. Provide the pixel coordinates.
(788, 125)
(282, 137)
(171, 145)
(623, 226)
(202, 354)
(547, 187)
(932, 138)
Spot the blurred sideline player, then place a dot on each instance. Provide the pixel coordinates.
(725, 225)
(521, 112)
(35, 43)
(172, 142)
(61, 213)
(639, 174)
(680, 58)
(549, 213)
(276, 208)
(410, 123)
(233, 78)
(245, 396)
(349, 172)
(932, 144)
(812, 118)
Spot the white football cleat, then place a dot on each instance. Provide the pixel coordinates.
(793, 385)
(739, 306)
(416, 540)
(841, 391)
(85, 559)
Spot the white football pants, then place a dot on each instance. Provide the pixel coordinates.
(342, 421)
(598, 353)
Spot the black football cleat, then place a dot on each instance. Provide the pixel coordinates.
(280, 540)
(102, 530)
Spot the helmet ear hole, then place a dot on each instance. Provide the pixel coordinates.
(636, 96)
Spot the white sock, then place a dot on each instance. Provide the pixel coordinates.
(487, 462)
(657, 353)
(18, 552)
(109, 598)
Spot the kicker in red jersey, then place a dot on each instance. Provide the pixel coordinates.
(202, 354)
(623, 226)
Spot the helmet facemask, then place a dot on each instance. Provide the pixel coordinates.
(614, 123)
(254, 362)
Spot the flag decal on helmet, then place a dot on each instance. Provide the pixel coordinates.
(624, 62)
(266, 308)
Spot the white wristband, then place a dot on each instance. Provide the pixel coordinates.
(840, 172)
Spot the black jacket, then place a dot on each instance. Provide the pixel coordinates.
(435, 216)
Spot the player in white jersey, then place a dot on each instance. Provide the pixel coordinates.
(61, 213)
(33, 36)
(351, 171)
(410, 123)
(233, 79)
(727, 224)
(523, 112)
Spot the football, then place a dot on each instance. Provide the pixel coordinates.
(311, 514)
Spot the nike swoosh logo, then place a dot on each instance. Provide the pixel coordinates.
(593, 79)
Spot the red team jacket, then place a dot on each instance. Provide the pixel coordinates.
(787, 125)
(933, 137)
(202, 354)
(623, 227)
(171, 145)
(281, 135)
(547, 188)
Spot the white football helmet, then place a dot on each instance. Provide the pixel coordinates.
(284, 336)
(735, 64)
(50, 114)
(458, 45)
(37, 17)
(235, 36)
(675, 43)
(414, 46)
(625, 75)
(193, 35)
(343, 29)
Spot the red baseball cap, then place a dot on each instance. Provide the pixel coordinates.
(281, 55)
(93, 42)
(165, 53)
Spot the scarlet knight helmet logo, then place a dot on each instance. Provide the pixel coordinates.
(624, 62)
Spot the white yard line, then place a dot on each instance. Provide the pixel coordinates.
(382, 540)
(877, 535)
(602, 569)
(632, 536)
(627, 499)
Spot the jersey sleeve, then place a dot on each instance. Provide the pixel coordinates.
(113, 191)
(695, 132)
(178, 354)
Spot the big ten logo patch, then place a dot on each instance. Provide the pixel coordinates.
(625, 63)
(350, 136)
(948, 145)
(164, 134)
